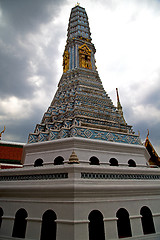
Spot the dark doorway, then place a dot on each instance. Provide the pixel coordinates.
(96, 226)
(123, 223)
(20, 223)
(1, 214)
(147, 220)
(49, 227)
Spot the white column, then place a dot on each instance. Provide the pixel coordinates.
(156, 221)
(81, 230)
(136, 225)
(33, 230)
(72, 229)
(110, 228)
(7, 226)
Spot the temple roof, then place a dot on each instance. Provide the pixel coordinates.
(78, 24)
(10, 152)
(154, 158)
(81, 107)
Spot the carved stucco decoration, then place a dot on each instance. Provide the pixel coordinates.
(85, 57)
(65, 61)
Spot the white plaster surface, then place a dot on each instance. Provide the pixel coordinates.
(73, 198)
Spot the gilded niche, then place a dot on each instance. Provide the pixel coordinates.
(65, 61)
(85, 57)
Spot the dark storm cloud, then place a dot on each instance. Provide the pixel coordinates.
(154, 133)
(153, 97)
(18, 130)
(145, 119)
(19, 19)
(13, 74)
(26, 16)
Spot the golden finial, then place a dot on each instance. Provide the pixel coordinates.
(2, 132)
(77, 4)
(73, 158)
(138, 133)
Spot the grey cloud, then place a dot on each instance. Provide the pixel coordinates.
(28, 15)
(153, 97)
(154, 134)
(142, 126)
(22, 17)
(18, 130)
(13, 74)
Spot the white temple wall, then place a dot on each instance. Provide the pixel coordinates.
(85, 149)
(75, 219)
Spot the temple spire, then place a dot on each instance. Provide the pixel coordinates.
(79, 50)
(81, 107)
(119, 106)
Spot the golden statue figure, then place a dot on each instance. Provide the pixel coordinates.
(2, 132)
(65, 61)
(85, 57)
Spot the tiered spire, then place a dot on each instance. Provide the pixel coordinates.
(81, 107)
(79, 51)
(78, 26)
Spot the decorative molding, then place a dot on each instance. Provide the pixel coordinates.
(34, 219)
(156, 214)
(71, 221)
(110, 219)
(34, 177)
(135, 216)
(119, 176)
(65, 61)
(8, 217)
(85, 57)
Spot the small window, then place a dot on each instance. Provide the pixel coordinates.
(123, 223)
(1, 214)
(131, 163)
(20, 223)
(147, 220)
(38, 163)
(94, 161)
(96, 226)
(86, 57)
(113, 162)
(49, 226)
(59, 160)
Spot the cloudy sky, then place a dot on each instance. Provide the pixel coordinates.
(32, 40)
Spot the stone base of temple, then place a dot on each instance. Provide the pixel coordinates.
(73, 193)
(85, 149)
